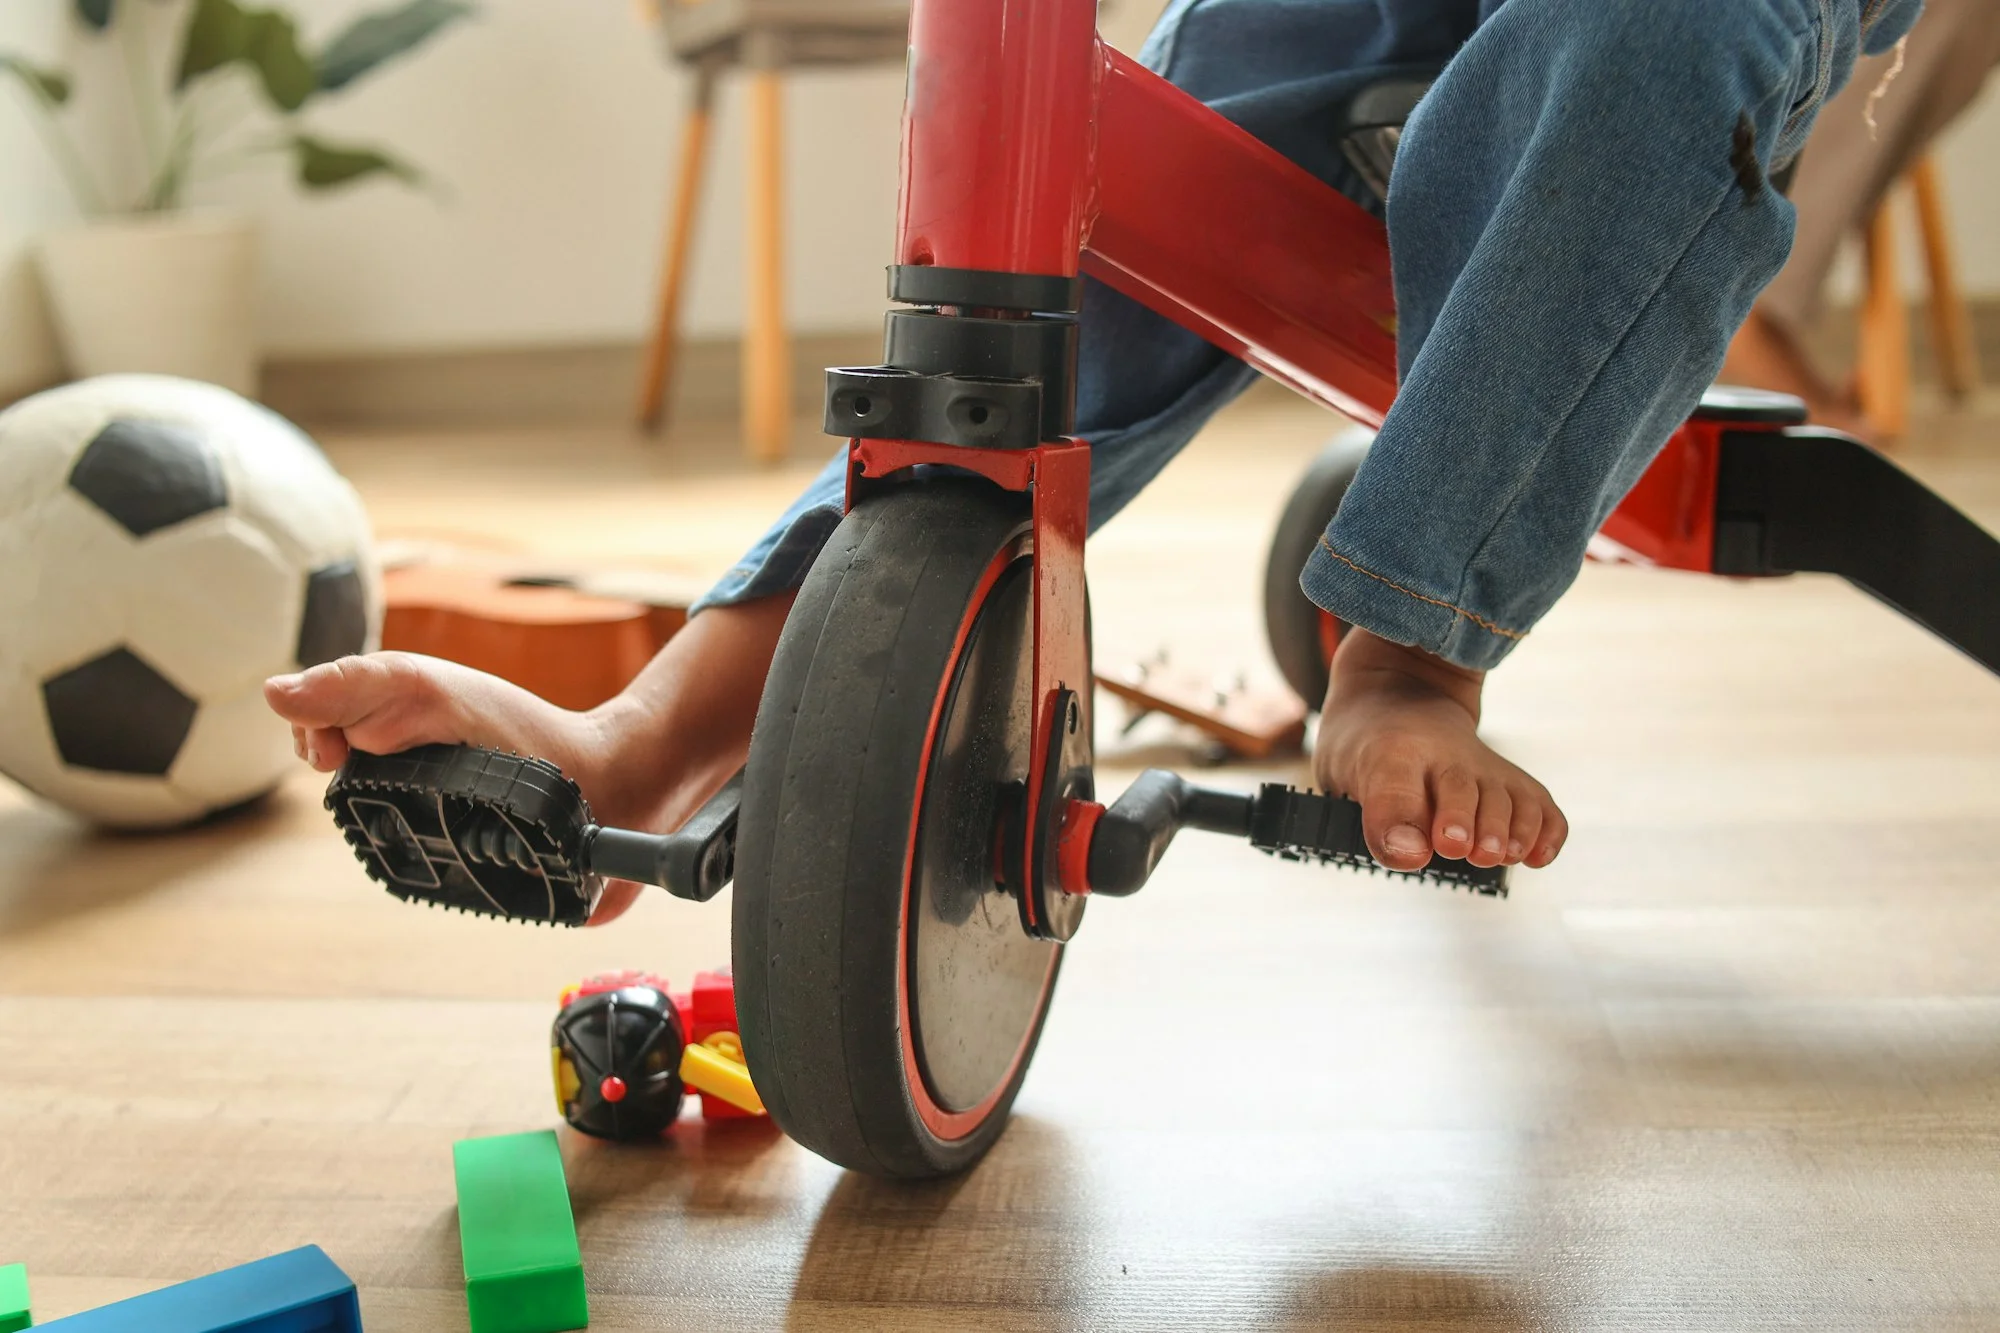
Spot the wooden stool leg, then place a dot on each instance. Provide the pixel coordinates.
(767, 352)
(657, 373)
(1951, 324)
(1883, 366)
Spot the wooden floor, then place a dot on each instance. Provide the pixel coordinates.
(1733, 1063)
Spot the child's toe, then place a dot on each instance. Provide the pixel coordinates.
(1458, 805)
(1496, 810)
(1549, 839)
(1525, 829)
(1396, 814)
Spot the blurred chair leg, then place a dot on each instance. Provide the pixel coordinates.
(657, 373)
(1883, 365)
(767, 353)
(1951, 324)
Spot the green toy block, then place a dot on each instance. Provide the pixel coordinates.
(523, 1271)
(14, 1299)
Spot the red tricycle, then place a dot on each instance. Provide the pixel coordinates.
(916, 832)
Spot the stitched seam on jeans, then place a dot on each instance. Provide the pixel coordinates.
(1460, 611)
(1822, 77)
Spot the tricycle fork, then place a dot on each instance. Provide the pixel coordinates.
(979, 371)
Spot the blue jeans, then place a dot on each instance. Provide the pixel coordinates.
(1580, 217)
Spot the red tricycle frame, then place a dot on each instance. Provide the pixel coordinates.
(1031, 147)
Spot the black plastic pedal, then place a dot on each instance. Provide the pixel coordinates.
(469, 829)
(1131, 837)
(1312, 826)
(507, 835)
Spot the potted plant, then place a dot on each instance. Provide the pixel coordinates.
(147, 283)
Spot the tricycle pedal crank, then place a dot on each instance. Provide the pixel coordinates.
(509, 836)
(1130, 836)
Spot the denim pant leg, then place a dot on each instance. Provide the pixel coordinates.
(1581, 217)
(1145, 385)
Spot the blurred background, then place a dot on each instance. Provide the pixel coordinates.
(524, 277)
(522, 280)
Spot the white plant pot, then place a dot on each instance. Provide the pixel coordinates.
(169, 294)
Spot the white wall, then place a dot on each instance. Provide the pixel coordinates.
(1971, 169)
(552, 130)
(1968, 156)
(555, 129)
(32, 197)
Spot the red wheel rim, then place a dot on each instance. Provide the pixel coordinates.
(1330, 630)
(947, 1124)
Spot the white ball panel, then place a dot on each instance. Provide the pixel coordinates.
(40, 438)
(27, 749)
(238, 749)
(214, 605)
(74, 586)
(19, 583)
(119, 800)
(285, 485)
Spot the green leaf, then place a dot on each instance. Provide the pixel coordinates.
(221, 33)
(97, 13)
(288, 76)
(49, 85)
(325, 166)
(376, 38)
(218, 34)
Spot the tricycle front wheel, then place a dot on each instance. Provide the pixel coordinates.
(889, 999)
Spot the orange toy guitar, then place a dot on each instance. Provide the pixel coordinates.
(578, 639)
(574, 640)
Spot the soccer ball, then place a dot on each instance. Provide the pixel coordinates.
(165, 546)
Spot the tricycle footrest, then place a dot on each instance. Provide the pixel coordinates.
(1313, 826)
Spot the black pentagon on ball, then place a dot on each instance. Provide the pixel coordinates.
(116, 714)
(149, 475)
(336, 619)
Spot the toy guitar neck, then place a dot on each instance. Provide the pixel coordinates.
(506, 835)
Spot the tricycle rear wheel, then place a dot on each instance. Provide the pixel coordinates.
(1301, 636)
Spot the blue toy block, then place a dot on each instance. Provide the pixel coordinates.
(14, 1299)
(300, 1291)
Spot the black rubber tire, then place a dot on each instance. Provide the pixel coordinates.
(832, 797)
(1292, 624)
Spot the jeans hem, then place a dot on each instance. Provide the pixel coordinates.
(1361, 597)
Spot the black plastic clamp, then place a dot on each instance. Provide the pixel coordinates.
(990, 364)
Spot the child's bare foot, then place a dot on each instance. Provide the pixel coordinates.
(388, 702)
(1399, 734)
(645, 760)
